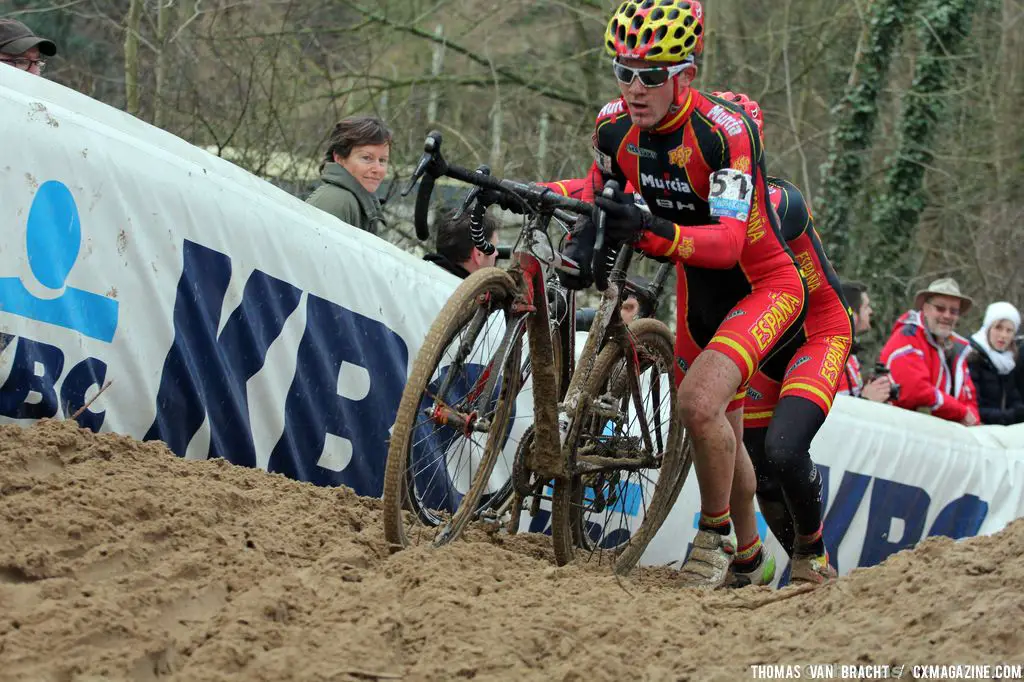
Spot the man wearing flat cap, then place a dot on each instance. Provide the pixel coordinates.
(23, 49)
(928, 360)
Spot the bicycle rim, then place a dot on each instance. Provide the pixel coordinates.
(454, 413)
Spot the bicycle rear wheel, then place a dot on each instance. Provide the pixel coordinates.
(454, 416)
(627, 446)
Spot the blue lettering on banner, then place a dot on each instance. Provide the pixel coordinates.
(53, 239)
(80, 378)
(891, 501)
(34, 372)
(205, 375)
(30, 390)
(313, 408)
(961, 518)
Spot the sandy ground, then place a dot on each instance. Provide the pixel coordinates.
(119, 561)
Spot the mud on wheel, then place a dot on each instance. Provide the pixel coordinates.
(625, 443)
(454, 416)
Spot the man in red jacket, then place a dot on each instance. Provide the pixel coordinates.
(928, 360)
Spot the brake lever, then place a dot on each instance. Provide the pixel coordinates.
(431, 148)
(474, 193)
(599, 265)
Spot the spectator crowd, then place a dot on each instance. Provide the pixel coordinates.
(925, 365)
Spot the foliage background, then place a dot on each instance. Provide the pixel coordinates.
(919, 98)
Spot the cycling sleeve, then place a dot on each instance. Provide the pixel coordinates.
(717, 247)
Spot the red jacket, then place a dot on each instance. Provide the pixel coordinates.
(926, 380)
(851, 382)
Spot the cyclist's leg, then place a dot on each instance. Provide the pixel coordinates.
(787, 450)
(760, 322)
(709, 560)
(769, 493)
(705, 393)
(744, 485)
(805, 400)
(713, 387)
(762, 397)
(752, 560)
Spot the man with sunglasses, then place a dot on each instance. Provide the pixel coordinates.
(698, 164)
(929, 360)
(23, 49)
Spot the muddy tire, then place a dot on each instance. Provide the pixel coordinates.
(407, 517)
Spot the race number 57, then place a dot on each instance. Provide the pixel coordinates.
(731, 193)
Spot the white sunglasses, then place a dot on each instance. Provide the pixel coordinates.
(650, 77)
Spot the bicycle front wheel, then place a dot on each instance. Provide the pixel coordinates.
(627, 446)
(455, 413)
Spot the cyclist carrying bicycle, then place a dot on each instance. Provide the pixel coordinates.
(698, 163)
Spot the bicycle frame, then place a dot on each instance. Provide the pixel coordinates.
(533, 259)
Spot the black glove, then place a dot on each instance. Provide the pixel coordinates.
(625, 221)
(580, 249)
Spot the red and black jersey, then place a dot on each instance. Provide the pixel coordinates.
(811, 365)
(703, 169)
(824, 292)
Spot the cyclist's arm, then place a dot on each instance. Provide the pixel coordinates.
(605, 143)
(706, 246)
(595, 179)
(567, 188)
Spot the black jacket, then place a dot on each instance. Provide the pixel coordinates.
(1018, 371)
(443, 262)
(999, 400)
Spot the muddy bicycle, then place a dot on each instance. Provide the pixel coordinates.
(610, 442)
(592, 515)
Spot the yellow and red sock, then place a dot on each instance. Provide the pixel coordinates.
(749, 557)
(719, 522)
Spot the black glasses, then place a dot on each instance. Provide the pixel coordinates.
(650, 77)
(25, 63)
(942, 309)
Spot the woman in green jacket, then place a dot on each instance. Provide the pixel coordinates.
(355, 163)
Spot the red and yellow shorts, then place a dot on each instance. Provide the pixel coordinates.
(811, 366)
(762, 320)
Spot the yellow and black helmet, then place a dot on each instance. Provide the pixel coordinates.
(656, 30)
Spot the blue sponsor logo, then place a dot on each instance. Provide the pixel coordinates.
(331, 434)
(53, 239)
(206, 372)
